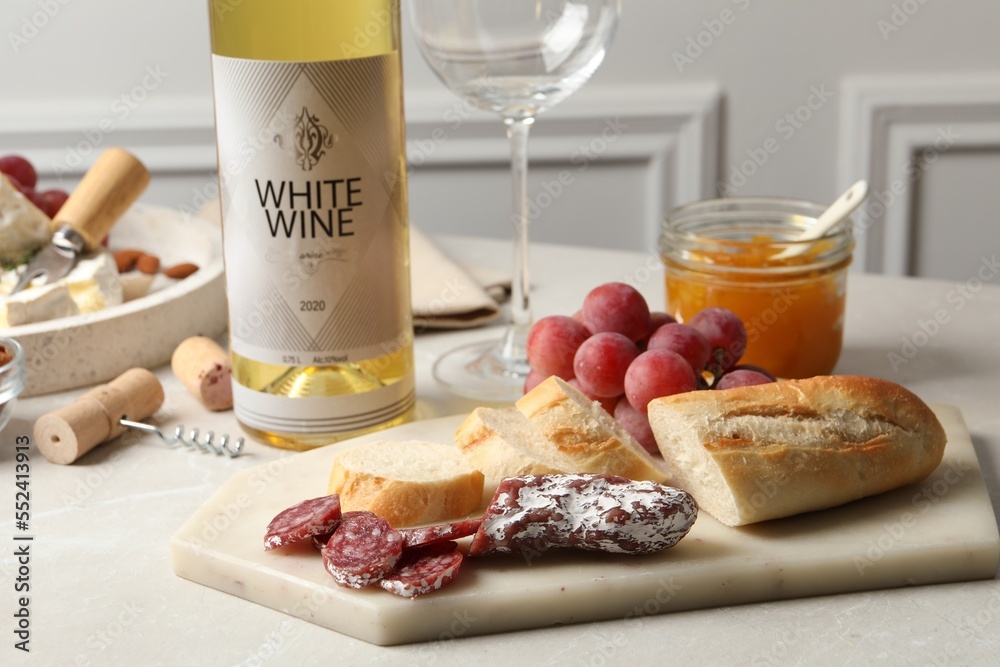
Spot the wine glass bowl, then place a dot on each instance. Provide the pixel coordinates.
(516, 59)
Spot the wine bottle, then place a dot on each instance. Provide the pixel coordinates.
(312, 175)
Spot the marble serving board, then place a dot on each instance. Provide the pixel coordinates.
(942, 529)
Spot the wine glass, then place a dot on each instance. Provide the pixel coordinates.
(516, 58)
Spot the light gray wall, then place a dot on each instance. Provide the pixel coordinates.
(692, 96)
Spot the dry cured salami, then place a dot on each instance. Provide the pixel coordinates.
(319, 541)
(535, 513)
(362, 550)
(442, 532)
(302, 521)
(424, 569)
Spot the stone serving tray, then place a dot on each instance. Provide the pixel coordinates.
(940, 530)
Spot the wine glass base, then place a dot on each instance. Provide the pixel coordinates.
(479, 371)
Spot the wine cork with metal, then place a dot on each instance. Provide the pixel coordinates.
(63, 436)
(206, 370)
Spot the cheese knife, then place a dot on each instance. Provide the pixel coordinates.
(109, 187)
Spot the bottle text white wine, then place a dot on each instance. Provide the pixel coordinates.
(312, 174)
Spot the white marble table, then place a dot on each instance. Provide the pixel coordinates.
(102, 592)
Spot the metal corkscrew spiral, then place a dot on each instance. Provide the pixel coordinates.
(204, 444)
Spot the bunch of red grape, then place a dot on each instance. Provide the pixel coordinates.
(22, 175)
(620, 354)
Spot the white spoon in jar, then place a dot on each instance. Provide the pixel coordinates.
(845, 204)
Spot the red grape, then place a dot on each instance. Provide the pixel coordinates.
(607, 402)
(533, 379)
(19, 168)
(657, 373)
(35, 198)
(601, 362)
(683, 339)
(751, 367)
(726, 336)
(619, 308)
(637, 424)
(742, 378)
(53, 200)
(658, 318)
(552, 342)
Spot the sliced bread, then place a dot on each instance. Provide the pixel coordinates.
(408, 483)
(501, 443)
(582, 431)
(773, 450)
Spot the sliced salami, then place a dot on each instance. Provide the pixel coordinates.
(442, 532)
(362, 550)
(303, 521)
(536, 513)
(424, 569)
(319, 541)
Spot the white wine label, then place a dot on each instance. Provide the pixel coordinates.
(322, 414)
(313, 206)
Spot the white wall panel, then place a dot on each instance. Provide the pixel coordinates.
(779, 67)
(894, 132)
(956, 218)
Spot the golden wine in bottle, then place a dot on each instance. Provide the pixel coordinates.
(312, 175)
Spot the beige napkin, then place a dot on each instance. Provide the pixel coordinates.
(451, 295)
(445, 294)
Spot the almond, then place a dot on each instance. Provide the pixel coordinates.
(126, 259)
(180, 271)
(148, 263)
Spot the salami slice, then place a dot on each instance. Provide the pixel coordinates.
(424, 569)
(302, 521)
(442, 532)
(536, 513)
(362, 550)
(319, 541)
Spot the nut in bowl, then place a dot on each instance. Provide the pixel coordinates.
(745, 254)
(11, 377)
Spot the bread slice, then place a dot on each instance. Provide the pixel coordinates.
(408, 483)
(502, 443)
(581, 430)
(750, 454)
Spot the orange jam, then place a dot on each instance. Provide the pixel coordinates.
(727, 253)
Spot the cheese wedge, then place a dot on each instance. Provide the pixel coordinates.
(24, 228)
(92, 285)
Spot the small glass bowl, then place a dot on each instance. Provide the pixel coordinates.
(11, 379)
(744, 254)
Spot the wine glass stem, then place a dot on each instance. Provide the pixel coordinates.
(514, 343)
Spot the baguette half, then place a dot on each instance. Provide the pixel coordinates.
(751, 454)
(407, 483)
(582, 431)
(501, 442)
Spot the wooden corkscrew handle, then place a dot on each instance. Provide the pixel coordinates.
(109, 187)
(68, 433)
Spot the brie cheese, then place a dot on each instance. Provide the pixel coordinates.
(24, 228)
(92, 285)
(38, 305)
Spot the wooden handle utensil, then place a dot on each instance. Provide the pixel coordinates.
(108, 188)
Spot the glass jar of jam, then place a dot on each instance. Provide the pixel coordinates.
(744, 254)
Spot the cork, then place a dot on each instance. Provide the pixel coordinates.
(206, 370)
(63, 436)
